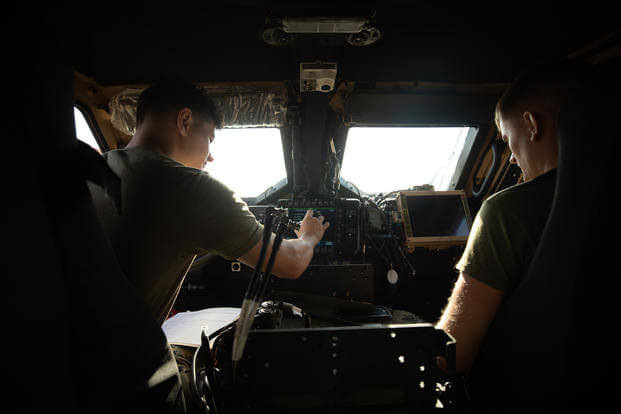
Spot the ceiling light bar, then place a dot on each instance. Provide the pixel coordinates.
(324, 24)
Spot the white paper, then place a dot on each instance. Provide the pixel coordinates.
(185, 328)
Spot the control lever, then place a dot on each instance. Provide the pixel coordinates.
(259, 280)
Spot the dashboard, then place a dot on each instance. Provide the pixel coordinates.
(364, 255)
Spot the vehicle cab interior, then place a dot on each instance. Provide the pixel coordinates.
(377, 116)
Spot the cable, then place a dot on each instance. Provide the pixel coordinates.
(391, 260)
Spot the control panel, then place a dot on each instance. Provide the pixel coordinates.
(342, 240)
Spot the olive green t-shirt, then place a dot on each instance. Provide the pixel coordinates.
(506, 232)
(170, 213)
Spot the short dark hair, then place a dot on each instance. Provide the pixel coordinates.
(544, 83)
(173, 93)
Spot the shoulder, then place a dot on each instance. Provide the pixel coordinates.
(150, 175)
(534, 192)
(138, 159)
(139, 162)
(507, 196)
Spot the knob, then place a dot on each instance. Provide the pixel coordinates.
(392, 277)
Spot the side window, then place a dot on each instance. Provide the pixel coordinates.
(83, 130)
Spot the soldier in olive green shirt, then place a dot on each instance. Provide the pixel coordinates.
(172, 210)
(507, 228)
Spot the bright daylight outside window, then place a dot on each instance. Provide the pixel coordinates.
(381, 160)
(83, 131)
(247, 160)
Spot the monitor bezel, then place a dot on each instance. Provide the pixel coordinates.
(411, 242)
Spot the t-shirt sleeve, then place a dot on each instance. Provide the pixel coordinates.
(224, 225)
(494, 253)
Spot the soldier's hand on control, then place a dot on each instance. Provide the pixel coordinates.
(312, 228)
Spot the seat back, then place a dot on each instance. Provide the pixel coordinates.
(552, 346)
(83, 340)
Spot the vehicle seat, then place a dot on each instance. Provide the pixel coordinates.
(81, 338)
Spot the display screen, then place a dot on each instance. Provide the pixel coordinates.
(328, 239)
(437, 216)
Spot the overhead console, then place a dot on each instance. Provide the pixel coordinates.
(294, 26)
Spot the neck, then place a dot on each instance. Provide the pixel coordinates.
(546, 157)
(150, 138)
(549, 167)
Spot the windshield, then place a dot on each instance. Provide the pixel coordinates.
(385, 159)
(247, 160)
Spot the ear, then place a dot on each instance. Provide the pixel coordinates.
(184, 119)
(532, 126)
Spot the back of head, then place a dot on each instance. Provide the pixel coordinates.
(540, 88)
(172, 94)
